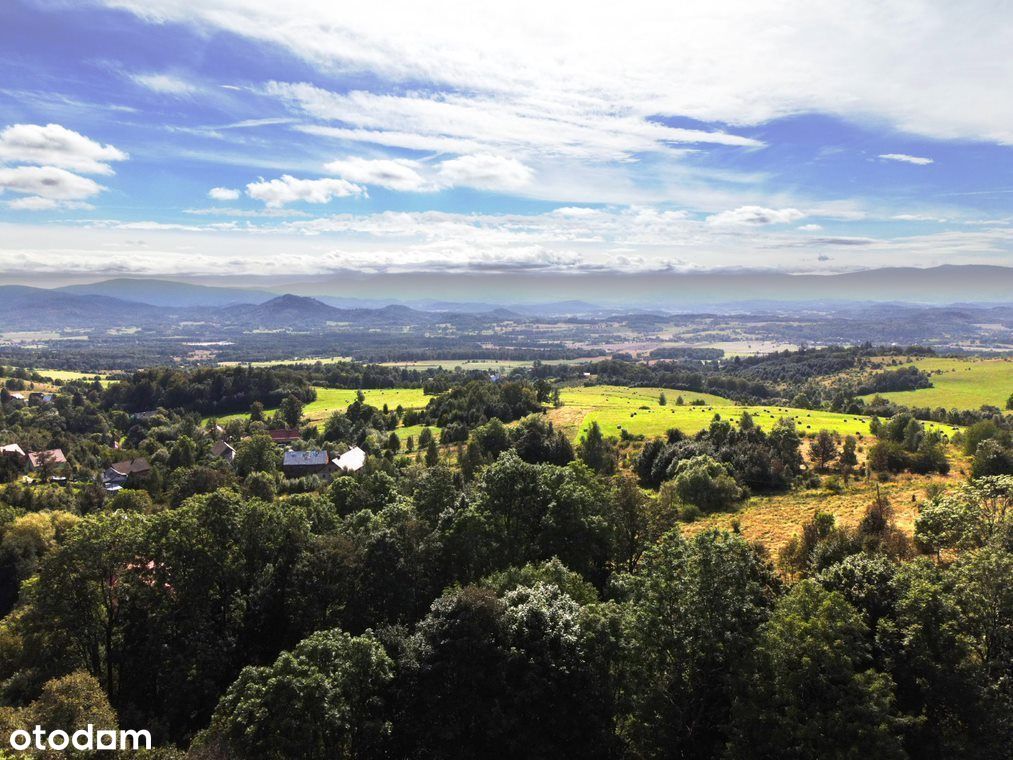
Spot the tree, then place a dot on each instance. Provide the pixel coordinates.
(82, 592)
(536, 441)
(823, 449)
(662, 399)
(432, 453)
(258, 453)
(813, 693)
(291, 410)
(630, 521)
(322, 700)
(992, 458)
(131, 499)
(976, 514)
(531, 654)
(692, 621)
(256, 412)
(70, 703)
(706, 483)
(849, 456)
(183, 453)
(393, 442)
(594, 451)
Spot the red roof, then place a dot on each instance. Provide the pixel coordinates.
(285, 435)
(52, 456)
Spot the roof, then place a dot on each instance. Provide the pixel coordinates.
(351, 460)
(12, 448)
(305, 459)
(220, 447)
(54, 456)
(284, 435)
(131, 465)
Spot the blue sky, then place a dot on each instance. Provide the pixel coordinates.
(151, 137)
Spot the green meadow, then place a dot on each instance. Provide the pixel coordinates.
(965, 383)
(331, 400)
(638, 411)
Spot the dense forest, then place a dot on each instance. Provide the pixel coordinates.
(494, 591)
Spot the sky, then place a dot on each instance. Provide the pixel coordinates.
(310, 137)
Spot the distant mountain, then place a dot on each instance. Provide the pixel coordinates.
(23, 309)
(169, 293)
(287, 310)
(304, 312)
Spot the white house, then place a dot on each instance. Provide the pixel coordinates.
(351, 460)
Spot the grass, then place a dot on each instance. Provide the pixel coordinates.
(637, 411)
(331, 400)
(486, 365)
(278, 362)
(66, 375)
(773, 520)
(964, 383)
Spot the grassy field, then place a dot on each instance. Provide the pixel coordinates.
(637, 411)
(965, 383)
(773, 520)
(277, 362)
(486, 365)
(338, 399)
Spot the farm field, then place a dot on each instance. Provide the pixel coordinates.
(279, 362)
(773, 520)
(637, 411)
(486, 365)
(338, 399)
(959, 383)
(65, 375)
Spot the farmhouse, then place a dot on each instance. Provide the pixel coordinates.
(223, 450)
(298, 464)
(50, 458)
(284, 436)
(351, 460)
(13, 450)
(138, 468)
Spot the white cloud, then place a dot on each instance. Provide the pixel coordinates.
(613, 239)
(732, 62)
(55, 145)
(811, 227)
(394, 174)
(33, 203)
(288, 189)
(906, 159)
(223, 194)
(444, 122)
(755, 215)
(48, 182)
(485, 172)
(165, 84)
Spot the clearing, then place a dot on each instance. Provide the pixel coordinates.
(331, 400)
(637, 411)
(958, 383)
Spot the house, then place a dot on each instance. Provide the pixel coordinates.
(38, 398)
(18, 396)
(223, 450)
(298, 464)
(137, 468)
(13, 450)
(116, 476)
(351, 460)
(51, 458)
(284, 436)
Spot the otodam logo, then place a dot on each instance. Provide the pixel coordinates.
(85, 739)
